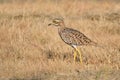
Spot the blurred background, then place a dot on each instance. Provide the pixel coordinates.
(29, 49)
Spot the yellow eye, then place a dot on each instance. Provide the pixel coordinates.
(55, 21)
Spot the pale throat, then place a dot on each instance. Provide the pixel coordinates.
(62, 24)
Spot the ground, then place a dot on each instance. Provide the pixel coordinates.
(30, 49)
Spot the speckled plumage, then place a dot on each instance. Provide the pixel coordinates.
(72, 37)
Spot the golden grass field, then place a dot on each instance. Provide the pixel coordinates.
(29, 49)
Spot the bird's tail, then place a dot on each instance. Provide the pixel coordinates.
(97, 45)
(102, 46)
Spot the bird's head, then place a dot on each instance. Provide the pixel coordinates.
(57, 22)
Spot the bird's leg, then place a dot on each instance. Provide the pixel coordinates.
(80, 55)
(75, 55)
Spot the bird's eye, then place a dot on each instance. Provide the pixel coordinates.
(55, 22)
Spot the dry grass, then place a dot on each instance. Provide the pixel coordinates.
(31, 49)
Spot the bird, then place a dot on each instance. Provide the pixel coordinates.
(72, 37)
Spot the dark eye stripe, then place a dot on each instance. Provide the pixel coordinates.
(55, 21)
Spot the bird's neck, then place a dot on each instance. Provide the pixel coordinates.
(61, 28)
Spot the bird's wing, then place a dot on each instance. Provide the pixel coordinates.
(74, 37)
